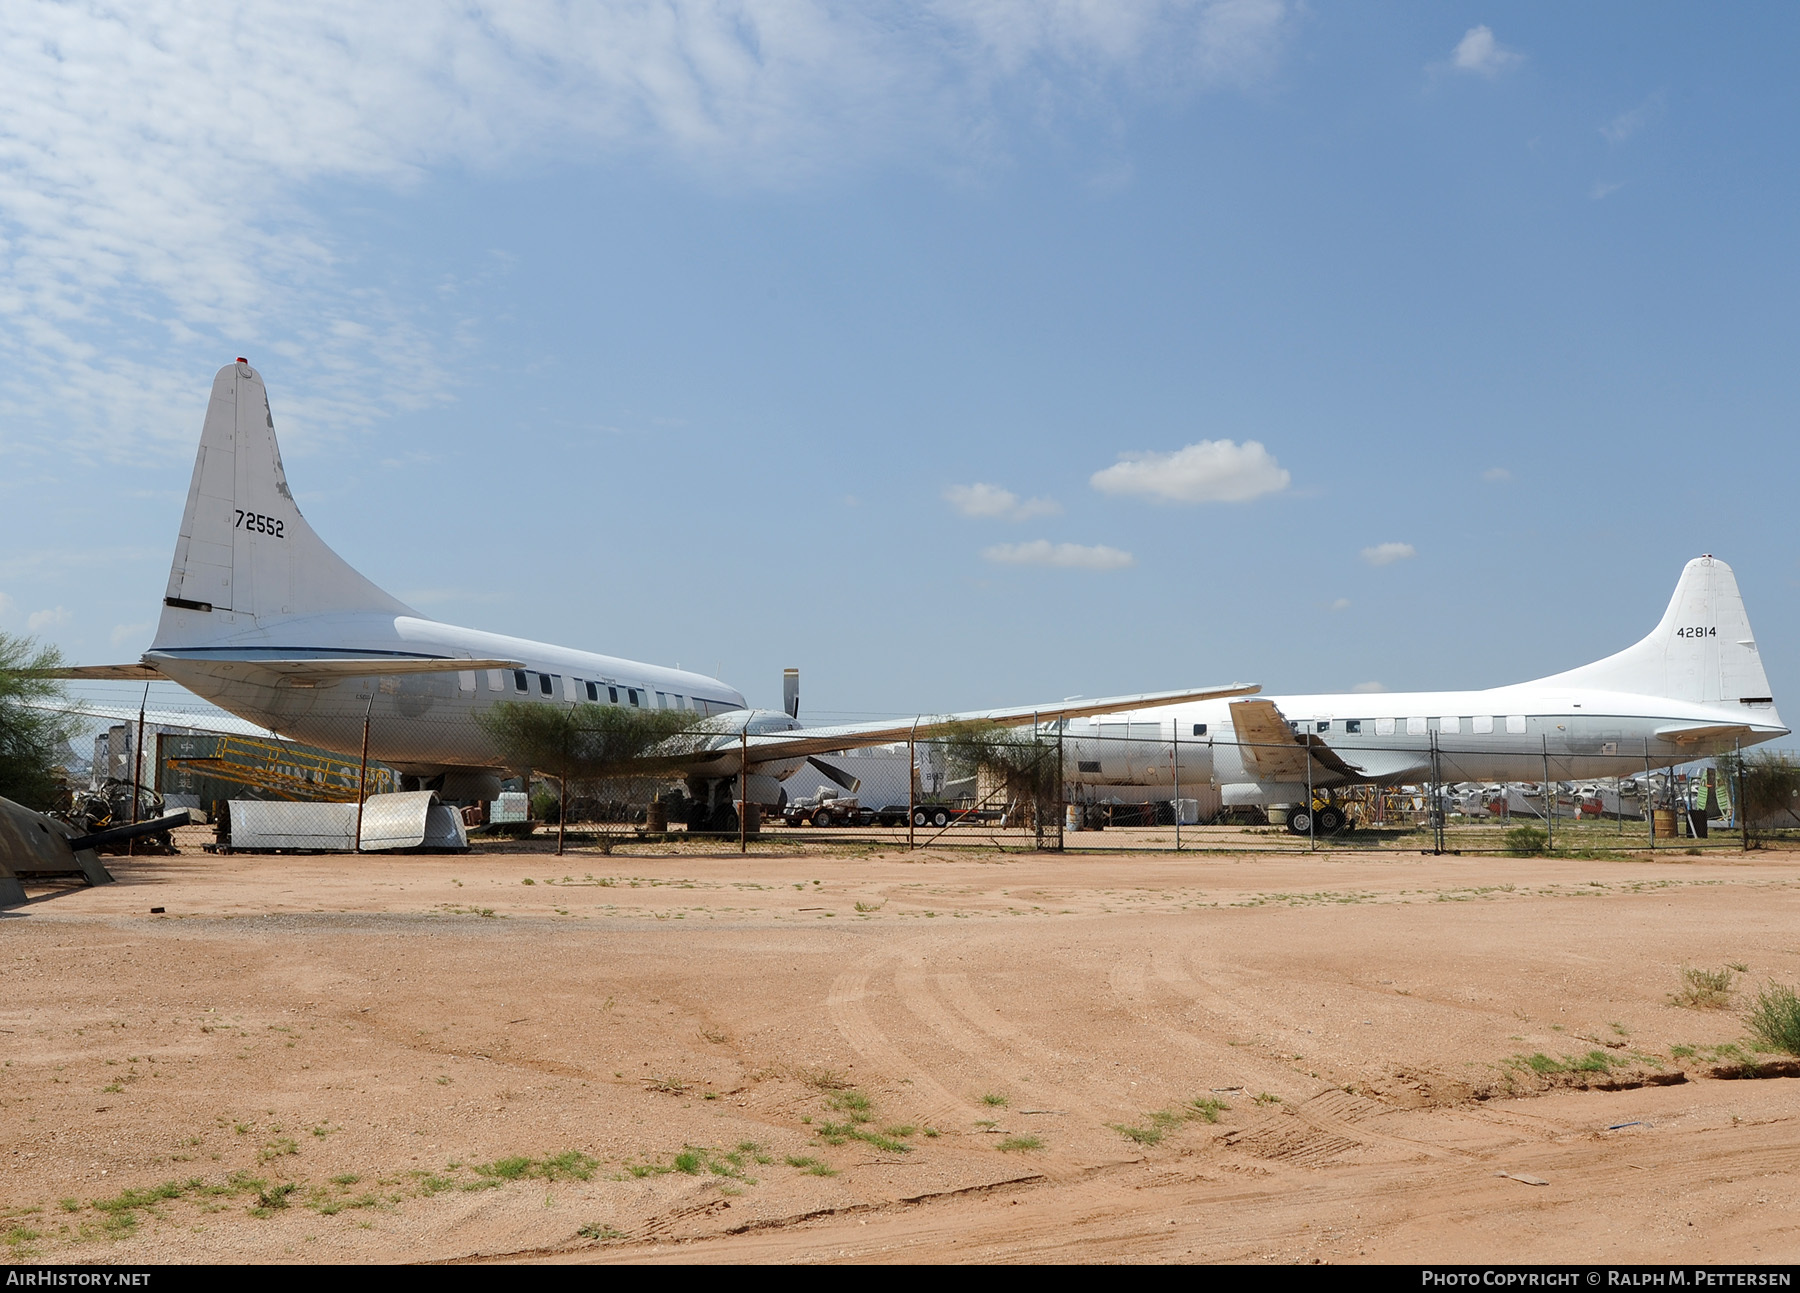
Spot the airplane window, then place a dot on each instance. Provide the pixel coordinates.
(1199, 729)
(680, 703)
(1324, 724)
(1515, 722)
(632, 692)
(1415, 727)
(612, 694)
(1384, 727)
(496, 680)
(519, 680)
(1353, 726)
(1451, 725)
(1090, 765)
(1482, 723)
(544, 683)
(593, 692)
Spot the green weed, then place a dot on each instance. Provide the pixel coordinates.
(1703, 989)
(1775, 1019)
(811, 1166)
(1013, 1144)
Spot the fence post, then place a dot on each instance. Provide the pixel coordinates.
(1312, 836)
(137, 768)
(1649, 798)
(362, 776)
(1175, 764)
(744, 786)
(1742, 808)
(912, 779)
(1549, 800)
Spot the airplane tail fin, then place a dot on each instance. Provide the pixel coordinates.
(1702, 651)
(245, 557)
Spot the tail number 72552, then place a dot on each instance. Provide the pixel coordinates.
(261, 524)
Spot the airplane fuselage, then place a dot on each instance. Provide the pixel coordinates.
(424, 723)
(1516, 733)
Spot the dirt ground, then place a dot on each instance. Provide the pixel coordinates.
(870, 1056)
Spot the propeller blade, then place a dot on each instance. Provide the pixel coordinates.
(790, 692)
(844, 779)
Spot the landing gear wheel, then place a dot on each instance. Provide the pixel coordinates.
(1331, 820)
(1300, 821)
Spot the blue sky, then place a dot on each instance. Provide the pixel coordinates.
(959, 354)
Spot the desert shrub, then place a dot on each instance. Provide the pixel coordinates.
(1703, 989)
(1775, 1018)
(1526, 842)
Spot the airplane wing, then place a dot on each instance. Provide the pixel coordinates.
(1269, 743)
(299, 665)
(212, 721)
(773, 746)
(1277, 753)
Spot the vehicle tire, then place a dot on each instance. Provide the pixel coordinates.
(1299, 820)
(1331, 820)
(940, 818)
(821, 818)
(920, 819)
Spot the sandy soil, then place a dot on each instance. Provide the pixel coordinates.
(869, 1056)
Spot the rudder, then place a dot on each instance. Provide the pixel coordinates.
(1702, 650)
(245, 557)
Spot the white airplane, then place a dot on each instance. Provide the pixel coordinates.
(1694, 687)
(267, 622)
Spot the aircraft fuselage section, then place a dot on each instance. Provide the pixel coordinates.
(1500, 735)
(424, 723)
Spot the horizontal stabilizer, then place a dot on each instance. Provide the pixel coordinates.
(1709, 733)
(139, 672)
(284, 664)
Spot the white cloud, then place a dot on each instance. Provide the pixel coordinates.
(1066, 556)
(161, 168)
(1602, 189)
(1480, 53)
(1212, 471)
(38, 621)
(6, 604)
(1341, 604)
(1627, 124)
(126, 634)
(993, 502)
(1369, 688)
(1385, 554)
(1497, 475)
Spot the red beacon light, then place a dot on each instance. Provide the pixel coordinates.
(242, 360)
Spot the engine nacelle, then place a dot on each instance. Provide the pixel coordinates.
(1260, 794)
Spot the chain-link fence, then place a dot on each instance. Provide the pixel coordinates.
(669, 772)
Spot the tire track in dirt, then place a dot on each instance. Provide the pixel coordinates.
(846, 1004)
(1129, 981)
